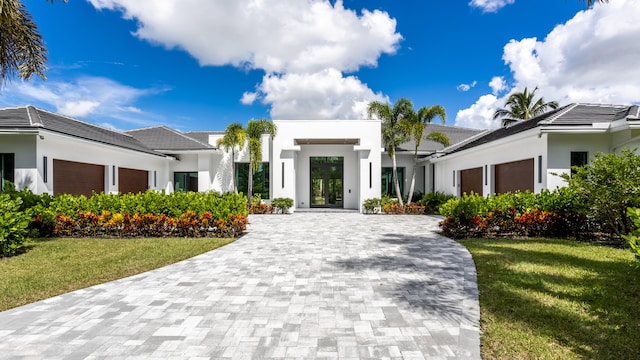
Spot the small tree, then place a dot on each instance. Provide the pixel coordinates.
(233, 139)
(255, 130)
(394, 130)
(417, 125)
(609, 186)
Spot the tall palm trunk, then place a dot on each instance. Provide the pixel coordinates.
(396, 182)
(250, 182)
(413, 178)
(233, 170)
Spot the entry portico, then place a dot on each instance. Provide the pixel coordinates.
(332, 163)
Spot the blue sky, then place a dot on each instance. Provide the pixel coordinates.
(201, 64)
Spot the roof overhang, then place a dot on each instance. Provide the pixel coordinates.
(595, 128)
(314, 141)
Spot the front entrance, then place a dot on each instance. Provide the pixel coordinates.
(327, 181)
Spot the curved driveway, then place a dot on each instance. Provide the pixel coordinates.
(307, 285)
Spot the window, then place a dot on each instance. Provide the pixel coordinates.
(185, 181)
(387, 181)
(7, 169)
(45, 169)
(578, 158)
(260, 179)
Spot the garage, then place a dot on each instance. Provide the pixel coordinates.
(132, 181)
(471, 181)
(70, 177)
(514, 176)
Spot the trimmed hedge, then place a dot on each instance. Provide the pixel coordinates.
(558, 213)
(13, 225)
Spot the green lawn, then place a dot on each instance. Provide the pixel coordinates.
(56, 266)
(557, 299)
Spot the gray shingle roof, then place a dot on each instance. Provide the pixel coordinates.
(162, 138)
(568, 115)
(29, 117)
(455, 134)
(202, 136)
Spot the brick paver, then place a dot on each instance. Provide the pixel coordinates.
(301, 286)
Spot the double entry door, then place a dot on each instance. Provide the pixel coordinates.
(327, 178)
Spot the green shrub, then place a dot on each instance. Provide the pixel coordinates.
(433, 201)
(13, 225)
(608, 186)
(282, 205)
(555, 213)
(221, 206)
(633, 238)
(372, 206)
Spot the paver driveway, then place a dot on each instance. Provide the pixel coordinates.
(312, 285)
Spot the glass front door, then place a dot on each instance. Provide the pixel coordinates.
(326, 181)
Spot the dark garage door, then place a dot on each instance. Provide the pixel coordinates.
(70, 177)
(471, 181)
(132, 180)
(513, 176)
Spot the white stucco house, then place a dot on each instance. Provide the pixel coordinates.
(318, 163)
(528, 155)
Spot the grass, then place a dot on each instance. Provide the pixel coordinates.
(555, 299)
(56, 266)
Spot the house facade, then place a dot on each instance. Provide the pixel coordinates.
(318, 163)
(531, 155)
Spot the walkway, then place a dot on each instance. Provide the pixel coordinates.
(325, 285)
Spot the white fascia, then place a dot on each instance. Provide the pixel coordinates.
(506, 140)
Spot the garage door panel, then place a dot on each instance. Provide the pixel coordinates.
(76, 178)
(514, 176)
(471, 181)
(132, 180)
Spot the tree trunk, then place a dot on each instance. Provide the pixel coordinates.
(233, 170)
(396, 183)
(413, 180)
(250, 183)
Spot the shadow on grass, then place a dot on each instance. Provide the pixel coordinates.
(429, 273)
(585, 297)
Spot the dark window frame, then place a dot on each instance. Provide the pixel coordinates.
(187, 187)
(7, 168)
(261, 179)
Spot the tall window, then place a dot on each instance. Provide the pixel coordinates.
(387, 181)
(185, 181)
(7, 169)
(260, 179)
(578, 158)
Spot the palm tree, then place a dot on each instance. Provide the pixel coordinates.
(255, 130)
(591, 2)
(394, 131)
(234, 138)
(417, 124)
(523, 106)
(22, 49)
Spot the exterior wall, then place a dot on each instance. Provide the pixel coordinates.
(561, 146)
(30, 151)
(404, 161)
(518, 147)
(26, 173)
(290, 172)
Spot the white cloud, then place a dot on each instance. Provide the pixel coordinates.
(311, 35)
(593, 58)
(248, 98)
(490, 5)
(497, 84)
(79, 108)
(466, 87)
(85, 97)
(322, 95)
(480, 114)
(288, 39)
